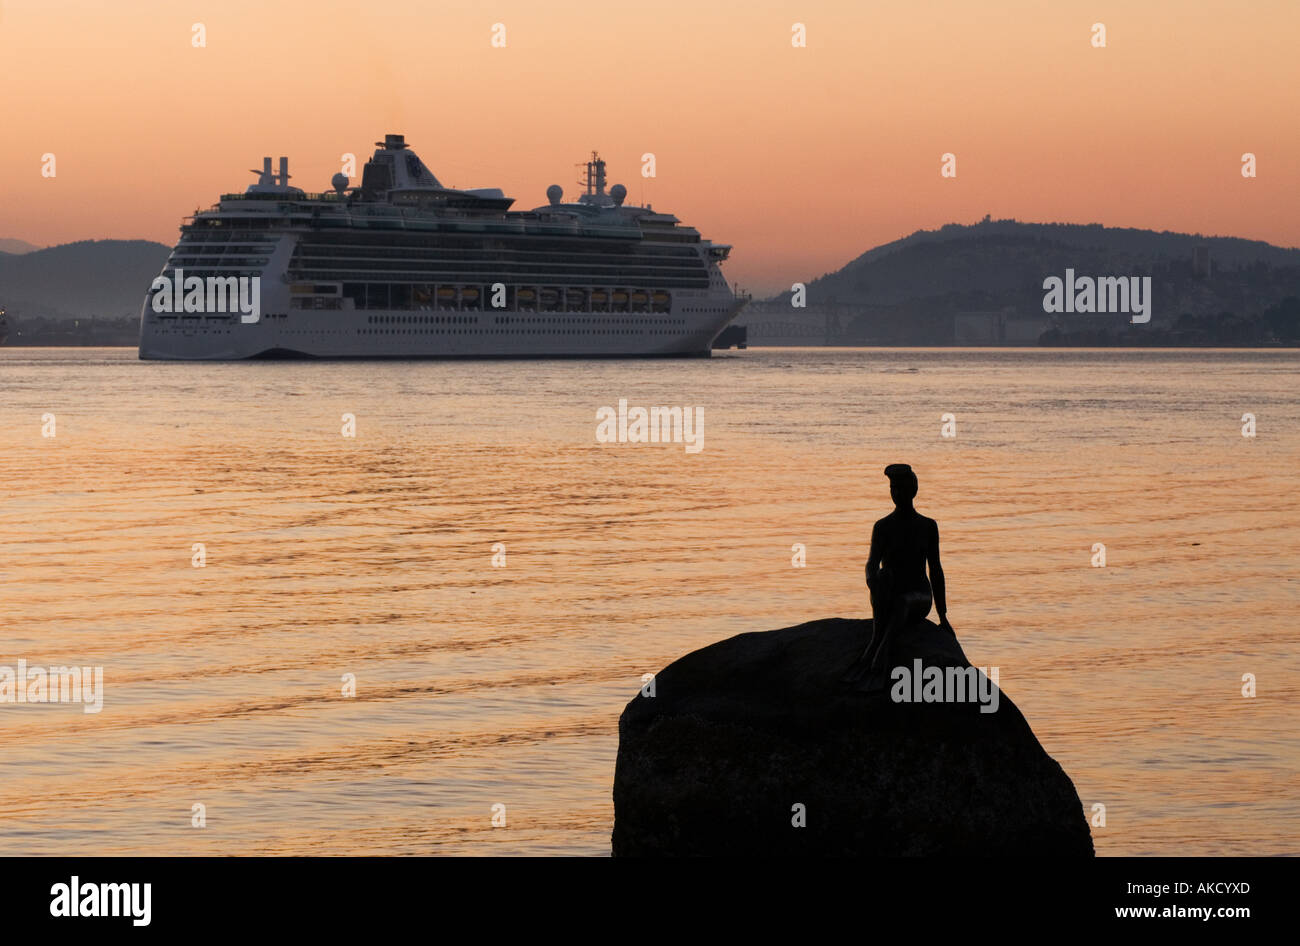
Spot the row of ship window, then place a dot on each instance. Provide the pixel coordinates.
(235, 230)
(477, 298)
(669, 276)
(501, 320)
(515, 331)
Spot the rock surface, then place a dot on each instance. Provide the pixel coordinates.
(740, 732)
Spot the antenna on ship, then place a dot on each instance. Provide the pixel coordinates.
(595, 182)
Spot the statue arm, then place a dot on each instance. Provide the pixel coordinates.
(936, 577)
(873, 557)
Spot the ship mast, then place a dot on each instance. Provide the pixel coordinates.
(595, 182)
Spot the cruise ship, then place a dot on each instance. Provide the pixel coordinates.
(402, 266)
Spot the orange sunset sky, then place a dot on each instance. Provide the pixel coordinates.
(801, 157)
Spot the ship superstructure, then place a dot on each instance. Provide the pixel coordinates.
(403, 266)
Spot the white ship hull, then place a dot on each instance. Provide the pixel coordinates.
(689, 328)
(291, 325)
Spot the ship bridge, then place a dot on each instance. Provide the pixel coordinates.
(395, 173)
(395, 167)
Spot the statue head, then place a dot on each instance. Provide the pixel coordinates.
(902, 483)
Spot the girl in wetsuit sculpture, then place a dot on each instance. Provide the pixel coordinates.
(902, 544)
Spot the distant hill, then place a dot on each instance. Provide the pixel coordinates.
(91, 278)
(16, 247)
(983, 284)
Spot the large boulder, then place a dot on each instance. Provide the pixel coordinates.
(738, 734)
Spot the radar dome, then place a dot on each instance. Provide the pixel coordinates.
(339, 182)
(554, 193)
(619, 193)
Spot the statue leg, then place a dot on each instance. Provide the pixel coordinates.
(881, 604)
(904, 610)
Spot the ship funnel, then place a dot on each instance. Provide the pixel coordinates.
(269, 182)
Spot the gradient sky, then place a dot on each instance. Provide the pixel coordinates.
(801, 158)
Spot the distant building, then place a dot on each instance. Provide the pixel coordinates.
(1201, 262)
(976, 328)
(998, 327)
(1025, 331)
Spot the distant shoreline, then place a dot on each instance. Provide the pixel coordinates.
(882, 347)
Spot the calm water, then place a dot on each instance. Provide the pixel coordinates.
(478, 686)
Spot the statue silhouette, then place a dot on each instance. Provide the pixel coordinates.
(902, 545)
